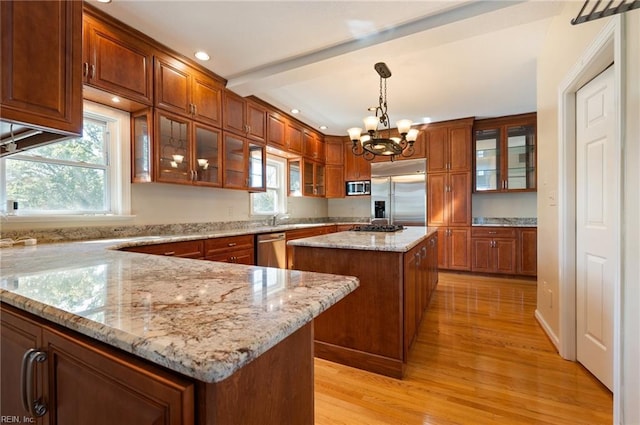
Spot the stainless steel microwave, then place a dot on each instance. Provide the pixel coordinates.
(359, 188)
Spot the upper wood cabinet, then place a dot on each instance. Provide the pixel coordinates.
(244, 116)
(449, 146)
(116, 61)
(186, 152)
(276, 130)
(355, 167)
(244, 164)
(313, 145)
(41, 66)
(505, 154)
(334, 158)
(293, 137)
(184, 90)
(449, 199)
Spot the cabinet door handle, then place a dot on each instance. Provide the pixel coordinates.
(232, 244)
(169, 253)
(493, 233)
(93, 72)
(85, 69)
(36, 407)
(195, 108)
(195, 175)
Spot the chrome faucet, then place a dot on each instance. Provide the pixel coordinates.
(275, 217)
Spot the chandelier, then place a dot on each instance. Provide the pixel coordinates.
(379, 142)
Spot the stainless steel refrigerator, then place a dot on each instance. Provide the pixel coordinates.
(399, 192)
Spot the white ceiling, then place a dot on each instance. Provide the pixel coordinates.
(449, 59)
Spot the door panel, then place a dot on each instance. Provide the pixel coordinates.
(597, 226)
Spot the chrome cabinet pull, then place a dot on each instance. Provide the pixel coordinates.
(36, 407)
(93, 72)
(85, 69)
(232, 244)
(492, 232)
(169, 253)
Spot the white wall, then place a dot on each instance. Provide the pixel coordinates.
(563, 47)
(350, 206)
(522, 205)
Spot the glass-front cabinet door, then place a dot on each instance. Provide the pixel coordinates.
(521, 165)
(487, 149)
(295, 177)
(235, 168)
(320, 180)
(257, 168)
(207, 169)
(505, 154)
(173, 152)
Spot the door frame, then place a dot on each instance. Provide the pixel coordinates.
(605, 49)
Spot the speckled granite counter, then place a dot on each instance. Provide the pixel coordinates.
(400, 241)
(202, 319)
(505, 221)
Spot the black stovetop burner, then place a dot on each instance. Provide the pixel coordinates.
(377, 227)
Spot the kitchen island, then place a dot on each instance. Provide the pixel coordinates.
(122, 337)
(374, 327)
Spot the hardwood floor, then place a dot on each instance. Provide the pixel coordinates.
(480, 358)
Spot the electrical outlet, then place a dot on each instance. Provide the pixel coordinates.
(551, 196)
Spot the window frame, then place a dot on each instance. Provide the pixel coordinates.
(118, 170)
(281, 191)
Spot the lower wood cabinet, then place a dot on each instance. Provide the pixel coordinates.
(80, 381)
(304, 233)
(454, 248)
(504, 250)
(232, 249)
(184, 249)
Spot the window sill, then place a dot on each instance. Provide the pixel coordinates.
(65, 218)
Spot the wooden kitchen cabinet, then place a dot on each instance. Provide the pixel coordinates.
(494, 250)
(231, 249)
(334, 159)
(184, 249)
(116, 61)
(449, 146)
(276, 130)
(505, 154)
(527, 251)
(356, 168)
(449, 199)
(244, 164)
(304, 233)
(244, 117)
(184, 90)
(454, 248)
(123, 389)
(313, 178)
(186, 151)
(41, 67)
(313, 145)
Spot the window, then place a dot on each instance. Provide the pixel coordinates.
(85, 175)
(273, 201)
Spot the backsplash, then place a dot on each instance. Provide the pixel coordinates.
(108, 232)
(505, 221)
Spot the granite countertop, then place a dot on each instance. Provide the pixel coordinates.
(200, 318)
(399, 241)
(505, 222)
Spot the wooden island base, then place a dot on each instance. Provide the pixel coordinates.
(373, 327)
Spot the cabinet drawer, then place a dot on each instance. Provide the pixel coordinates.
(307, 233)
(185, 249)
(493, 232)
(239, 256)
(221, 246)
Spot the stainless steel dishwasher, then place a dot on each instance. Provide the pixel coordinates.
(272, 250)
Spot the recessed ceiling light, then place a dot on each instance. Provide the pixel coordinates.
(115, 99)
(323, 127)
(203, 56)
(426, 120)
(295, 111)
(104, 1)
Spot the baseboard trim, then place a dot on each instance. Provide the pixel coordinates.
(547, 330)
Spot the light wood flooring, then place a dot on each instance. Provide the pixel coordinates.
(480, 358)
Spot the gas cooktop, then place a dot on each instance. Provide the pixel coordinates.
(377, 227)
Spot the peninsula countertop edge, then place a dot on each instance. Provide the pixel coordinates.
(202, 319)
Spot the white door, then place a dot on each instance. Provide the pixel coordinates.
(596, 225)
